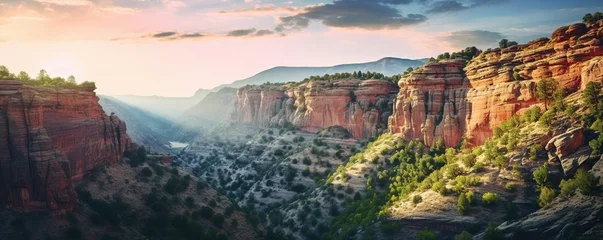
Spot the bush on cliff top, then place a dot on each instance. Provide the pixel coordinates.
(43, 79)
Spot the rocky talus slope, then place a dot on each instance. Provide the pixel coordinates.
(454, 98)
(48, 137)
(359, 106)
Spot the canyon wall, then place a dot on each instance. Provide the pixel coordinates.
(49, 137)
(360, 106)
(454, 98)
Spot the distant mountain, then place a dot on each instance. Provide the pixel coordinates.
(167, 107)
(144, 127)
(173, 107)
(388, 66)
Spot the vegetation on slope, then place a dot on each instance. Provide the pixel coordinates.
(43, 79)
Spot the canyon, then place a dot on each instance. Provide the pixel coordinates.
(49, 138)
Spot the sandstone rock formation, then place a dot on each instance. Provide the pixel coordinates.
(48, 137)
(450, 99)
(360, 106)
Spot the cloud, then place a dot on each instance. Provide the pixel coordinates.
(456, 6)
(365, 14)
(67, 2)
(263, 32)
(241, 32)
(479, 38)
(192, 35)
(164, 34)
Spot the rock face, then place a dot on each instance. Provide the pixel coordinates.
(48, 137)
(360, 106)
(450, 99)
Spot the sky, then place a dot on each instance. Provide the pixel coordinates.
(174, 47)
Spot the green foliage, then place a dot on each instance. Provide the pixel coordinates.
(545, 90)
(586, 182)
(463, 204)
(390, 227)
(426, 235)
(531, 115)
(177, 184)
(146, 172)
(468, 53)
(505, 43)
(469, 160)
(590, 95)
(464, 236)
(592, 18)
(541, 176)
(534, 149)
(137, 157)
(511, 187)
(501, 161)
(439, 187)
(218, 220)
(43, 79)
(490, 198)
(355, 75)
(417, 199)
(567, 187)
(493, 233)
(546, 196)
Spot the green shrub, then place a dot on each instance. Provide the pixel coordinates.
(469, 160)
(146, 172)
(439, 187)
(531, 115)
(462, 205)
(307, 161)
(464, 236)
(547, 118)
(511, 187)
(426, 235)
(567, 187)
(177, 184)
(218, 220)
(493, 233)
(586, 182)
(541, 175)
(417, 199)
(390, 227)
(546, 196)
(490, 198)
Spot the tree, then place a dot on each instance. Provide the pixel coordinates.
(23, 76)
(545, 89)
(426, 235)
(464, 236)
(490, 198)
(592, 18)
(4, 73)
(546, 196)
(463, 204)
(493, 233)
(590, 95)
(71, 79)
(586, 182)
(541, 175)
(42, 75)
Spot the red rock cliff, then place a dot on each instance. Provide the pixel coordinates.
(48, 137)
(362, 107)
(450, 99)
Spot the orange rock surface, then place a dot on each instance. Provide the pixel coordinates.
(48, 137)
(451, 99)
(361, 107)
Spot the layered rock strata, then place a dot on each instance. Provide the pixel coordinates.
(48, 137)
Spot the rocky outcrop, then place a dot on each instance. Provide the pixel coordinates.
(432, 103)
(450, 99)
(48, 137)
(360, 106)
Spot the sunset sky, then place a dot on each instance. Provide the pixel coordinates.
(174, 47)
